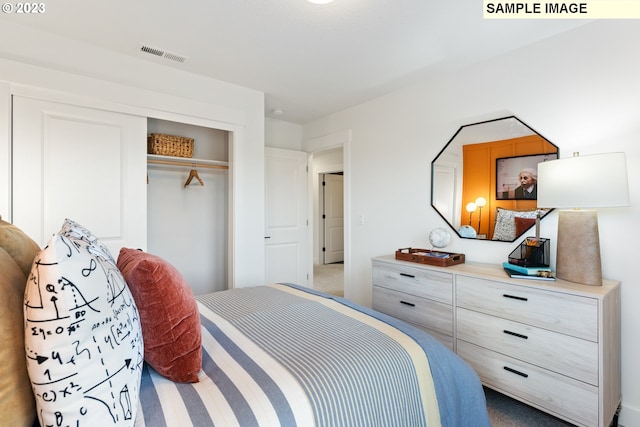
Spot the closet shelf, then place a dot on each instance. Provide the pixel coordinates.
(155, 159)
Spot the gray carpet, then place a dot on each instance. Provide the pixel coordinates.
(507, 412)
(329, 278)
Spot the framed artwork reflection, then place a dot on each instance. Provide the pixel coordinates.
(517, 177)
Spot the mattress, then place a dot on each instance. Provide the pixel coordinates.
(283, 355)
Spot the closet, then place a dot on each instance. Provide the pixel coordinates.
(91, 165)
(187, 220)
(99, 175)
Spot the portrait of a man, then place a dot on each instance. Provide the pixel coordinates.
(517, 177)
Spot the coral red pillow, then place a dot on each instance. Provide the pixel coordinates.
(523, 224)
(168, 313)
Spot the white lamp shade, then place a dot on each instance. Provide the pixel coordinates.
(591, 181)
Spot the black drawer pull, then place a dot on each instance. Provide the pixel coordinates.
(515, 334)
(408, 275)
(522, 374)
(515, 297)
(410, 304)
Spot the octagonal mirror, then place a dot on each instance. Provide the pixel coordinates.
(484, 180)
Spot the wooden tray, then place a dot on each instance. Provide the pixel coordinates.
(426, 256)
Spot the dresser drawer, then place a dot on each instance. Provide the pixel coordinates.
(564, 397)
(423, 312)
(556, 311)
(563, 354)
(434, 285)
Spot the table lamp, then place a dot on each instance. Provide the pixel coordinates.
(480, 203)
(593, 181)
(471, 208)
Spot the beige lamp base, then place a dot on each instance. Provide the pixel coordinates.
(578, 251)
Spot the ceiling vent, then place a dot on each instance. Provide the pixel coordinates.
(163, 54)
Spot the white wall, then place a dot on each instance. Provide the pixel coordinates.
(60, 65)
(580, 90)
(282, 134)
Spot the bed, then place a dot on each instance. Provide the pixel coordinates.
(273, 355)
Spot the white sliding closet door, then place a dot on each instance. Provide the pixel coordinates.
(85, 164)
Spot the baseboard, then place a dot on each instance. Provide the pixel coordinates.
(629, 416)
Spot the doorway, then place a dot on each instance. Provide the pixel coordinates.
(329, 230)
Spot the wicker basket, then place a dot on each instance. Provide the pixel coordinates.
(169, 145)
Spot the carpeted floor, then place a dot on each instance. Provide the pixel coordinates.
(507, 412)
(329, 278)
(504, 411)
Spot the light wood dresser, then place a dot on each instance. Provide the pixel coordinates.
(554, 345)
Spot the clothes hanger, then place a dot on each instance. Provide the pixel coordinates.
(193, 174)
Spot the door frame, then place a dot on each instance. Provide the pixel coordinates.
(324, 143)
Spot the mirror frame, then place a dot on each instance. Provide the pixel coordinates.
(503, 128)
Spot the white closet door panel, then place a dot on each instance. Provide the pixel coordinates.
(80, 163)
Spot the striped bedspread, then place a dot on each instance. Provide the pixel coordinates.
(281, 355)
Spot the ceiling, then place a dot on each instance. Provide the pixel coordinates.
(309, 60)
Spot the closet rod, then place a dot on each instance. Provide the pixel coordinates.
(187, 164)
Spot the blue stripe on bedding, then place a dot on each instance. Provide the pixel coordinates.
(197, 411)
(263, 314)
(153, 413)
(328, 353)
(200, 417)
(239, 404)
(149, 400)
(457, 407)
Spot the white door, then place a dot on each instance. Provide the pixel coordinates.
(286, 218)
(333, 218)
(444, 190)
(80, 163)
